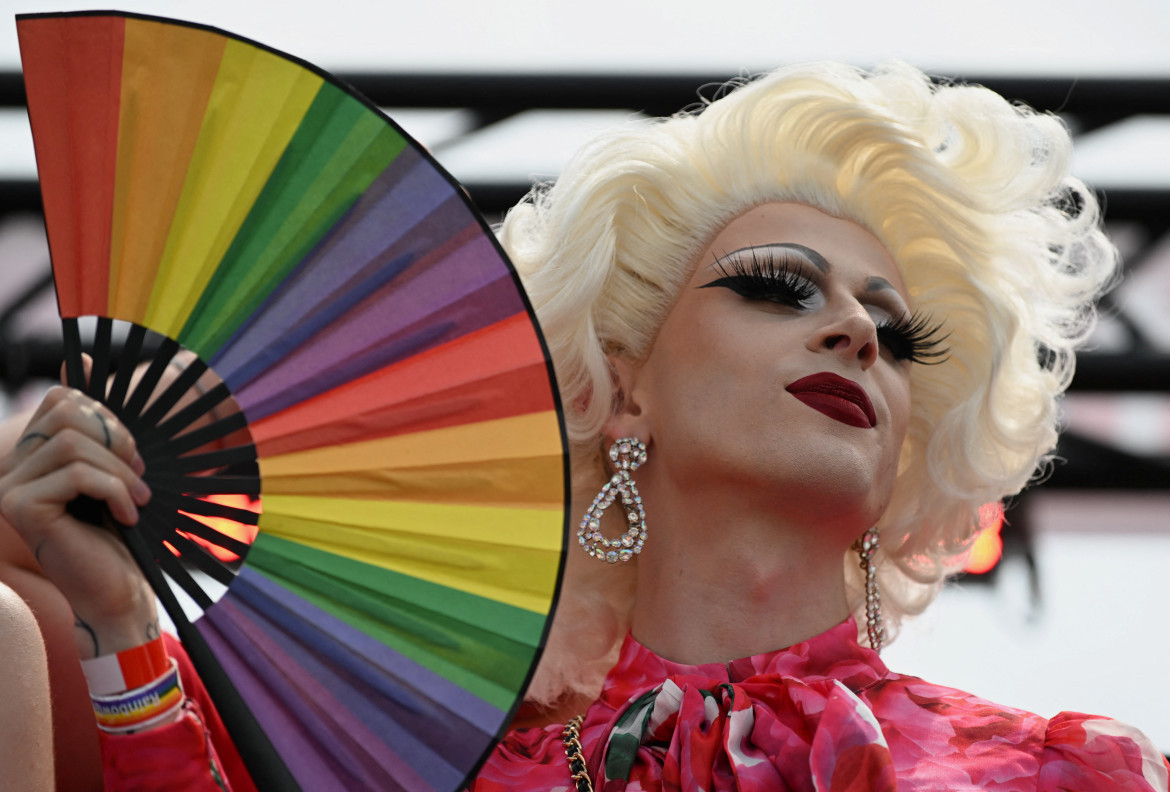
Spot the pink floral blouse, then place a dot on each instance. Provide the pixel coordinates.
(823, 715)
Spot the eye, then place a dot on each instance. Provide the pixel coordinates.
(764, 277)
(915, 338)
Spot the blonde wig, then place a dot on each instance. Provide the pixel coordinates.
(970, 194)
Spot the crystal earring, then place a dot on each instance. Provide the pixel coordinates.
(627, 454)
(866, 548)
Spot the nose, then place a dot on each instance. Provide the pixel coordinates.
(851, 334)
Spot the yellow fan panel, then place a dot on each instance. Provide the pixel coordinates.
(257, 104)
(519, 576)
(536, 528)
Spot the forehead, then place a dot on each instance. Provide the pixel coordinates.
(851, 250)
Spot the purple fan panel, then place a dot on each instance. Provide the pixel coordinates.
(394, 219)
(336, 707)
(274, 695)
(442, 304)
(385, 671)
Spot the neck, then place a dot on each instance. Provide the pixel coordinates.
(715, 588)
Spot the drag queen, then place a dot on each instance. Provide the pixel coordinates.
(815, 326)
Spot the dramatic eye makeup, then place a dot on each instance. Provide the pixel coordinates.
(915, 338)
(768, 274)
(776, 274)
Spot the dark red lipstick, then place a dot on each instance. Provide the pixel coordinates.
(839, 398)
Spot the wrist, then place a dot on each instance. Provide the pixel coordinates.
(154, 704)
(135, 689)
(128, 669)
(137, 624)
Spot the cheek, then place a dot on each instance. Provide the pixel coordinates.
(698, 374)
(900, 413)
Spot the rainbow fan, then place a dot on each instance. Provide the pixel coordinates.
(203, 192)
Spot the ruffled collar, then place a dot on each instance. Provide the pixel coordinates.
(833, 655)
(788, 719)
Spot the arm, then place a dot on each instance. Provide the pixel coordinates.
(77, 762)
(26, 737)
(84, 584)
(72, 446)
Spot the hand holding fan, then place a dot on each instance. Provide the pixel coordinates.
(403, 421)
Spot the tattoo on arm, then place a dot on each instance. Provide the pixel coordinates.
(79, 624)
(152, 630)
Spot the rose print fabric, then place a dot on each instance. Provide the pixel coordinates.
(823, 715)
(823, 723)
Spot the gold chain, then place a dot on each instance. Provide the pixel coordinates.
(572, 739)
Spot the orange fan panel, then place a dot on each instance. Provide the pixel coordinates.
(162, 115)
(527, 482)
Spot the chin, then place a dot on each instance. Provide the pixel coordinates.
(848, 490)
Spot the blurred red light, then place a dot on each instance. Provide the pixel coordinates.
(240, 531)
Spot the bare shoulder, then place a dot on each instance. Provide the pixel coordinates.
(26, 734)
(33, 608)
(19, 634)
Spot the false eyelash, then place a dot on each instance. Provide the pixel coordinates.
(914, 338)
(764, 278)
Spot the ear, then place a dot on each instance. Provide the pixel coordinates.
(629, 419)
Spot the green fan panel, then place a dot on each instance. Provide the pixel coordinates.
(486, 649)
(338, 150)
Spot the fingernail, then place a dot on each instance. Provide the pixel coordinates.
(141, 492)
(137, 465)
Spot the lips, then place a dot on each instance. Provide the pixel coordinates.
(839, 398)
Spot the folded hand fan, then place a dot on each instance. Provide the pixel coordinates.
(405, 440)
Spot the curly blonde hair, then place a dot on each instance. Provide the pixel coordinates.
(970, 194)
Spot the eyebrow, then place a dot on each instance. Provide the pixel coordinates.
(879, 284)
(815, 258)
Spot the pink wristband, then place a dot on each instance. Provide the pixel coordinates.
(128, 669)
